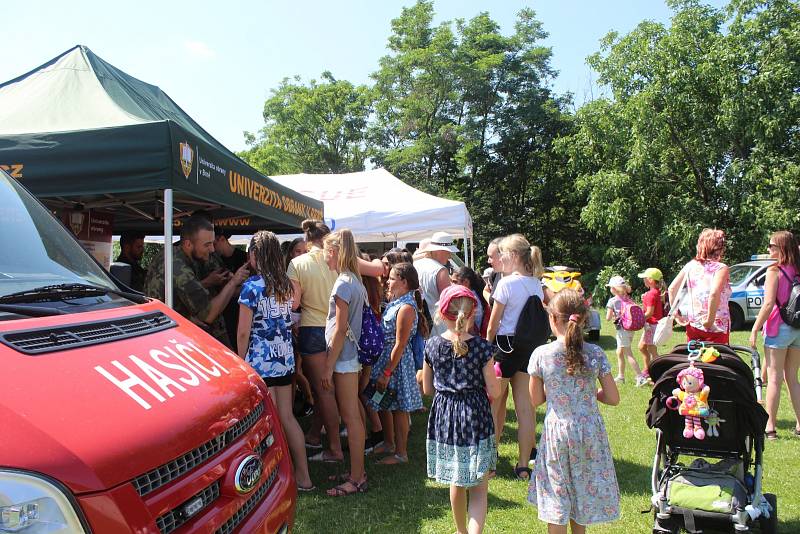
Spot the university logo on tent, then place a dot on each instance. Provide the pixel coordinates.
(76, 219)
(187, 158)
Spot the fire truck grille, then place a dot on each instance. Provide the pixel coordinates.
(45, 340)
(154, 479)
(181, 514)
(242, 513)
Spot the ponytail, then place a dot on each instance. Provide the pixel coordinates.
(530, 256)
(465, 308)
(573, 340)
(537, 264)
(567, 306)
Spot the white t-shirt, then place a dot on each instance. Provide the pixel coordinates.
(513, 291)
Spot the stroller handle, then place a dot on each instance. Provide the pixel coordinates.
(755, 363)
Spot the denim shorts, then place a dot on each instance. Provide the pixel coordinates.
(349, 366)
(787, 338)
(311, 340)
(624, 338)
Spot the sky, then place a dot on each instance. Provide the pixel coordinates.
(219, 60)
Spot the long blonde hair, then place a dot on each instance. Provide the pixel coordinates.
(462, 308)
(530, 256)
(344, 242)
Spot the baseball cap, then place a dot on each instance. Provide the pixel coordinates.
(652, 272)
(616, 281)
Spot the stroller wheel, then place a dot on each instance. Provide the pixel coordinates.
(769, 525)
(665, 526)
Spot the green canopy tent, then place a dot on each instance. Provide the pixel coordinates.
(82, 134)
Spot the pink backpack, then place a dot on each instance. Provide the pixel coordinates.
(631, 316)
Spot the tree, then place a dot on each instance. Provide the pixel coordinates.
(314, 128)
(465, 112)
(702, 130)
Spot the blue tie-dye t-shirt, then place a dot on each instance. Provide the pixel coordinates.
(270, 351)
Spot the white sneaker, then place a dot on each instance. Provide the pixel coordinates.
(640, 380)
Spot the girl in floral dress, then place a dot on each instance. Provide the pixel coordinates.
(462, 451)
(574, 479)
(395, 368)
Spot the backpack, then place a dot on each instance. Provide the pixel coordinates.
(418, 350)
(533, 326)
(631, 316)
(790, 310)
(370, 344)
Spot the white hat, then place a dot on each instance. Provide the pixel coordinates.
(616, 281)
(441, 241)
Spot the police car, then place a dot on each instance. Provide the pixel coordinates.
(747, 289)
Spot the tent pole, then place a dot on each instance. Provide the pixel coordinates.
(168, 247)
(472, 251)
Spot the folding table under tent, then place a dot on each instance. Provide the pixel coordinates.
(81, 134)
(377, 206)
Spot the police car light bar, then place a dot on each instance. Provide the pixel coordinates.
(755, 257)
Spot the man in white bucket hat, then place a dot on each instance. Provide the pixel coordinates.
(432, 271)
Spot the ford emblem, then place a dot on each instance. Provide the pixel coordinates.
(248, 474)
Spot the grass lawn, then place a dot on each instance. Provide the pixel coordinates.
(402, 499)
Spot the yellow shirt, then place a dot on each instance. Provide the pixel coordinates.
(316, 282)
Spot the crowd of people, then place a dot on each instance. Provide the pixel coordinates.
(299, 313)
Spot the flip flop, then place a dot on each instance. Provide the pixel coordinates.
(771, 435)
(320, 457)
(300, 488)
(394, 459)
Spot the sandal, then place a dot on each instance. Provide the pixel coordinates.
(303, 489)
(796, 433)
(771, 435)
(313, 446)
(383, 448)
(321, 457)
(341, 477)
(522, 470)
(343, 490)
(394, 459)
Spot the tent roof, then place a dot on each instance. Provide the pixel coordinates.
(78, 90)
(79, 131)
(377, 206)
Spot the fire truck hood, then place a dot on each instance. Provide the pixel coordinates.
(98, 416)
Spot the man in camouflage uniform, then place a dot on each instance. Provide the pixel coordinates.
(190, 298)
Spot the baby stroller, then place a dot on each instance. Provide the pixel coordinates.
(726, 493)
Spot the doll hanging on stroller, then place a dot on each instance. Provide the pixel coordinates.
(705, 405)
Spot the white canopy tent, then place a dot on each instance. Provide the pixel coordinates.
(376, 206)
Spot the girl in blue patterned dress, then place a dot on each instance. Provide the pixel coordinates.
(264, 338)
(395, 368)
(574, 479)
(461, 446)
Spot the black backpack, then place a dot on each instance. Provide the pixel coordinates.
(533, 326)
(790, 310)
